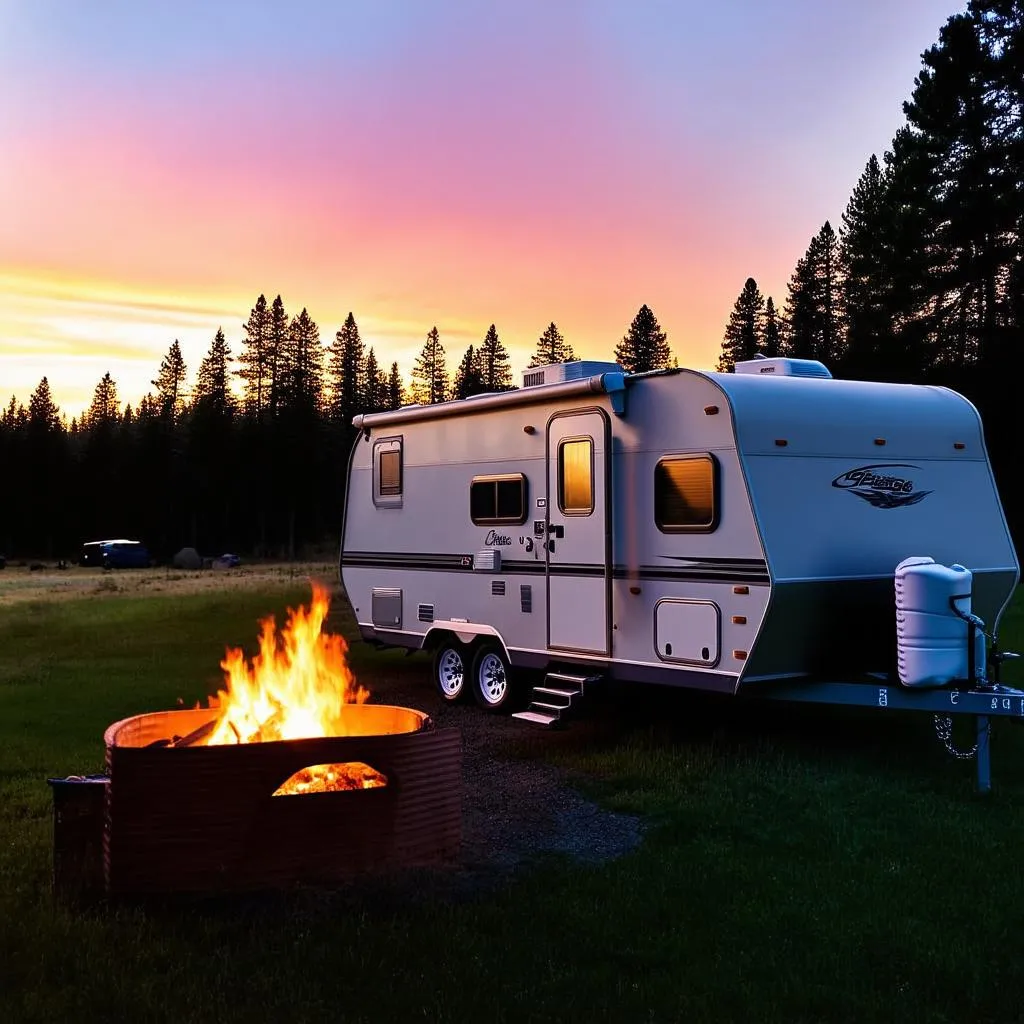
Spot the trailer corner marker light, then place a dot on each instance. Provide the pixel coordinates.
(959, 445)
(739, 620)
(740, 655)
(529, 429)
(741, 590)
(780, 442)
(710, 410)
(879, 441)
(634, 590)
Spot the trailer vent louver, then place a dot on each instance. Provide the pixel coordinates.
(531, 380)
(526, 597)
(497, 588)
(426, 613)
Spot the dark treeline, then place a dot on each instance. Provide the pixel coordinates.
(251, 456)
(924, 281)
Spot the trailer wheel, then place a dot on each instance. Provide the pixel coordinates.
(451, 671)
(491, 678)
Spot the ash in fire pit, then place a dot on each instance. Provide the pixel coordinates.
(288, 777)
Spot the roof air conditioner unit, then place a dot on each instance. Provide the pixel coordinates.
(556, 373)
(776, 366)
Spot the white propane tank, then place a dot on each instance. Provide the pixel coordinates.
(931, 638)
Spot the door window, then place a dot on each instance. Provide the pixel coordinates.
(576, 476)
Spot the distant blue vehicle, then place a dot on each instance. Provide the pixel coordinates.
(115, 554)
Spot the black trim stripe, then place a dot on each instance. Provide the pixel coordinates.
(704, 570)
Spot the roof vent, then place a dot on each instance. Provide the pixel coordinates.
(556, 373)
(779, 367)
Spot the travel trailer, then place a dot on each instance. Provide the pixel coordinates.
(733, 532)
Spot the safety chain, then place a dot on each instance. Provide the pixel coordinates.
(944, 731)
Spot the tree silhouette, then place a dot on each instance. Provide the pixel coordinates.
(644, 348)
(170, 382)
(212, 386)
(346, 371)
(254, 360)
(377, 396)
(813, 306)
(495, 365)
(429, 375)
(278, 353)
(104, 408)
(771, 330)
(743, 334)
(552, 348)
(396, 392)
(469, 378)
(302, 378)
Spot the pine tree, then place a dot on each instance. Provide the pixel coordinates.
(552, 348)
(866, 253)
(302, 358)
(965, 138)
(377, 384)
(346, 371)
(771, 330)
(430, 375)
(278, 352)
(396, 392)
(212, 388)
(743, 334)
(105, 408)
(43, 414)
(254, 360)
(495, 365)
(645, 346)
(469, 378)
(170, 382)
(814, 302)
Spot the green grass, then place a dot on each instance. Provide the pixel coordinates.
(801, 864)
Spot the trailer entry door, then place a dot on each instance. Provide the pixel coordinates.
(578, 525)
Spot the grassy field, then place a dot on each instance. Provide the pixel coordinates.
(810, 864)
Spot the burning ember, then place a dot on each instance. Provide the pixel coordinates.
(297, 687)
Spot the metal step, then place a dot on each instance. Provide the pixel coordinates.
(536, 718)
(566, 677)
(548, 709)
(550, 691)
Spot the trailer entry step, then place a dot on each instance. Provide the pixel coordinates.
(552, 702)
(537, 719)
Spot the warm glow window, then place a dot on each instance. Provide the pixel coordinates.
(388, 471)
(686, 494)
(497, 499)
(576, 477)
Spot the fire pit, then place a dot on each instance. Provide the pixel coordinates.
(207, 818)
(289, 776)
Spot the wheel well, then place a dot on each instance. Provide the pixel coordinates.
(436, 637)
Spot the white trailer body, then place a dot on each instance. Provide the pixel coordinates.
(708, 530)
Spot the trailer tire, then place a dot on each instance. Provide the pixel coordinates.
(451, 671)
(491, 678)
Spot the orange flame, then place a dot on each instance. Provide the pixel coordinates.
(296, 687)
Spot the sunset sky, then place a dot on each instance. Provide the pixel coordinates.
(421, 163)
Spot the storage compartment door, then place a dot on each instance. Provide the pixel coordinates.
(687, 631)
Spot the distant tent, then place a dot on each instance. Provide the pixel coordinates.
(187, 558)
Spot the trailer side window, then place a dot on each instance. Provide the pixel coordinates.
(387, 472)
(576, 477)
(686, 494)
(497, 499)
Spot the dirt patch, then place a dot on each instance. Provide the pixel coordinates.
(516, 809)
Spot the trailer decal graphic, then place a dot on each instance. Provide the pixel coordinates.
(880, 486)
